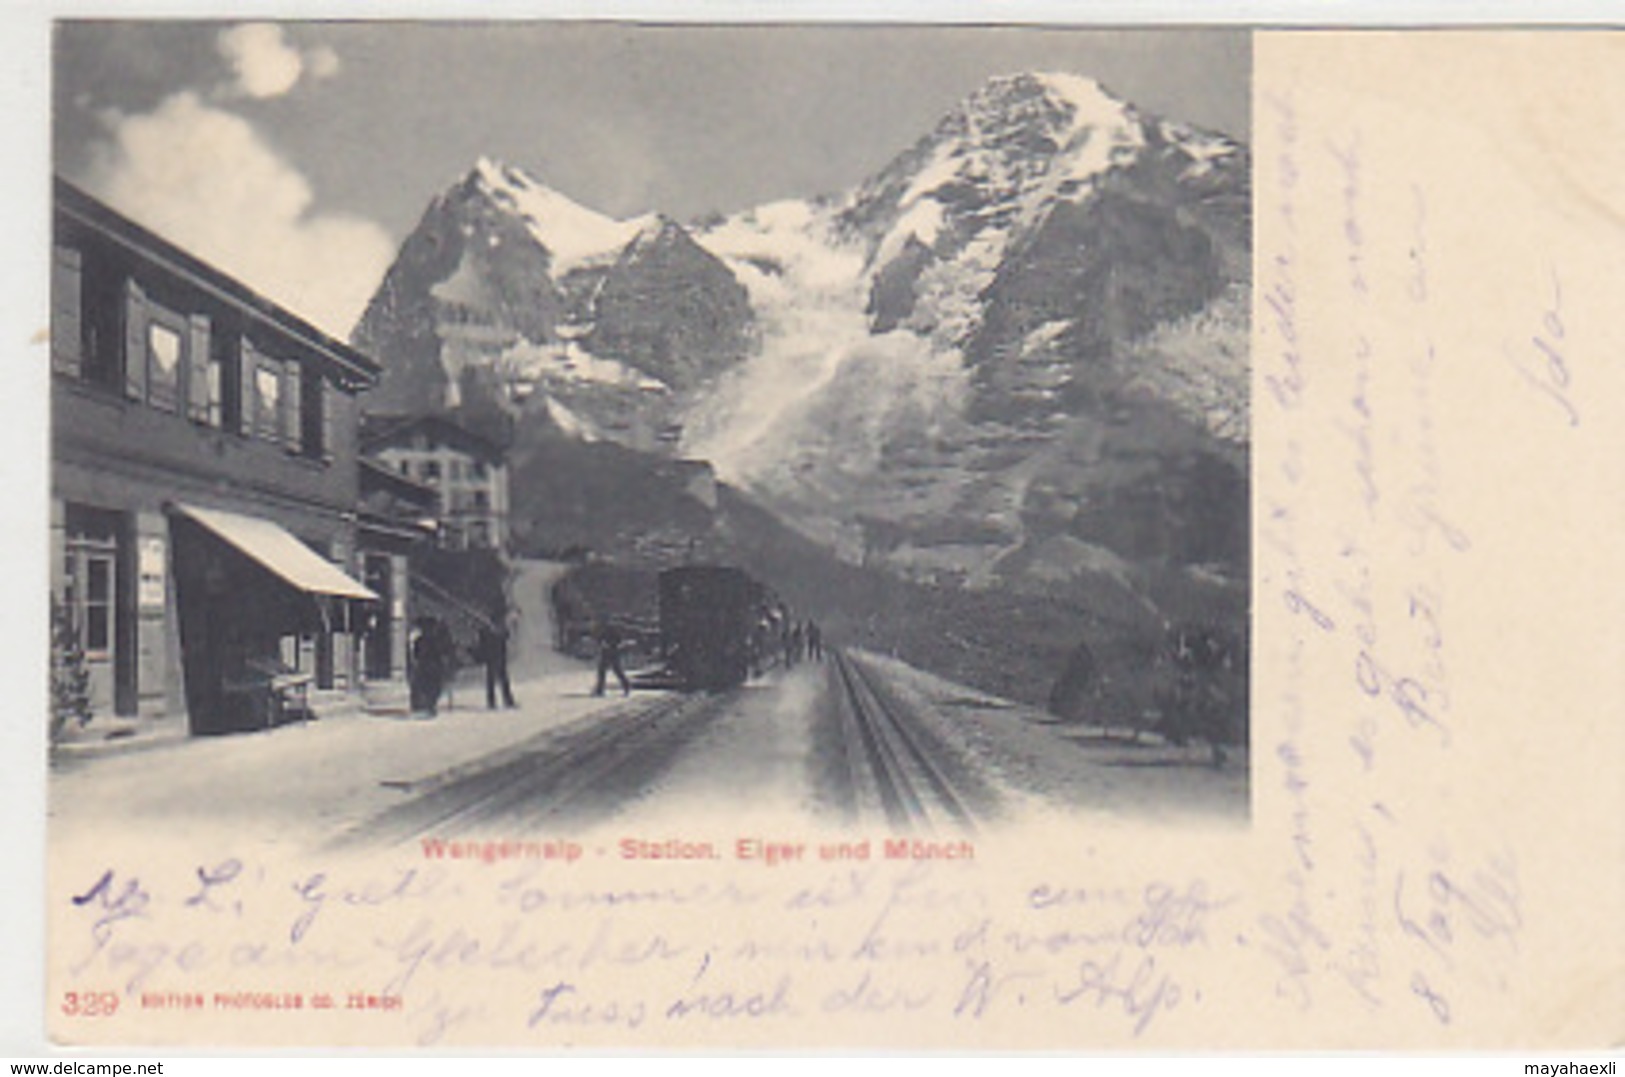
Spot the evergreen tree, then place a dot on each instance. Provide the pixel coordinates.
(70, 676)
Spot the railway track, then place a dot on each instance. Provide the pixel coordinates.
(894, 763)
(576, 774)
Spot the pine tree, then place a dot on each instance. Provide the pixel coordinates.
(70, 676)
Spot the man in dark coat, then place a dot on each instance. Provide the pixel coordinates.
(494, 653)
(426, 673)
(609, 658)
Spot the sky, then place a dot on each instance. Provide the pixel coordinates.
(297, 156)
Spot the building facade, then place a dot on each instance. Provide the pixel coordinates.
(469, 472)
(397, 520)
(204, 480)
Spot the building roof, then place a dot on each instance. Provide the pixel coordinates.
(379, 432)
(73, 203)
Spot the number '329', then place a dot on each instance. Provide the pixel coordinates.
(90, 1003)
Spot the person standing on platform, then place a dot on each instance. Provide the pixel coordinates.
(494, 653)
(425, 676)
(609, 658)
(446, 662)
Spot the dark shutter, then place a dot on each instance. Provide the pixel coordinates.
(197, 369)
(135, 341)
(248, 397)
(67, 312)
(293, 389)
(330, 418)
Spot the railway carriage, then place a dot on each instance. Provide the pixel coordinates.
(708, 616)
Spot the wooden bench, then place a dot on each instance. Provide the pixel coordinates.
(275, 693)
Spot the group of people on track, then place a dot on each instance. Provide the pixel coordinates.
(801, 640)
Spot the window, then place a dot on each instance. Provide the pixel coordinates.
(431, 471)
(456, 471)
(268, 401)
(90, 591)
(98, 604)
(482, 500)
(476, 469)
(164, 354)
(406, 468)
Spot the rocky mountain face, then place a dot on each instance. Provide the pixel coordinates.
(508, 290)
(1013, 362)
(1023, 347)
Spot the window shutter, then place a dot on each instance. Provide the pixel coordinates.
(135, 341)
(67, 326)
(293, 405)
(247, 392)
(330, 416)
(197, 369)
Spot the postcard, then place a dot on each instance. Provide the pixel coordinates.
(808, 536)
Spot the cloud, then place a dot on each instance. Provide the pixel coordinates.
(203, 178)
(322, 62)
(264, 63)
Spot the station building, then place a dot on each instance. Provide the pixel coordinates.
(204, 485)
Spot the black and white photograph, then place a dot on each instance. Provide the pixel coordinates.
(590, 533)
(465, 427)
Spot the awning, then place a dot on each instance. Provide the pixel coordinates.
(279, 551)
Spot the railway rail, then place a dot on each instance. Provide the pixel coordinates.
(891, 763)
(575, 774)
(895, 763)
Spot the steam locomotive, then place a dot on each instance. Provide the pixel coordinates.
(712, 620)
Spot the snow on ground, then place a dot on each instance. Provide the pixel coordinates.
(530, 651)
(1043, 765)
(1089, 101)
(755, 756)
(1199, 363)
(922, 222)
(792, 239)
(569, 422)
(299, 784)
(574, 364)
(810, 307)
(817, 354)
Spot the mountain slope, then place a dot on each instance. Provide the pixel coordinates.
(1010, 366)
(1038, 310)
(508, 288)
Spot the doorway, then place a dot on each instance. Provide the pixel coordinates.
(379, 578)
(95, 581)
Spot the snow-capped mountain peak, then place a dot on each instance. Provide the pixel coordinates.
(1018, 347)
(574, 235)
(1062, 102)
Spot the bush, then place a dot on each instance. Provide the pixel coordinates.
(70, 676)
